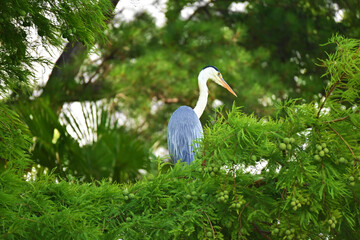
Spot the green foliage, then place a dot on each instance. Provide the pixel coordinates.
(14, 141)
(108, 149)
(47, 151)
(83, 21)
(343, 75)
(292, 195)
(266, 53)
(306, 152)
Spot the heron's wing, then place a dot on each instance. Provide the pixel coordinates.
(184, 127)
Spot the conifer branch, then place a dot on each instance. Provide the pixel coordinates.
(334, 86)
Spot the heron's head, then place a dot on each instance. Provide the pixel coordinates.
(211, 72)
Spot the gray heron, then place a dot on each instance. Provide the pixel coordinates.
(184, 126)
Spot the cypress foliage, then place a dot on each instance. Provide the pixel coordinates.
(307, 188)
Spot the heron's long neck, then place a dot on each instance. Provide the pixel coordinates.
(202, 101)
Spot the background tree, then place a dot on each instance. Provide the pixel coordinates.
(307, 188)
(308, 148)
(268, 52)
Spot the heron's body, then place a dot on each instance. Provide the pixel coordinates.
(184, 125)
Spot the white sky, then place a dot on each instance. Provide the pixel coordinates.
(128, 9)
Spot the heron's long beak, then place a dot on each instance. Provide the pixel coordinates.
(225, 85)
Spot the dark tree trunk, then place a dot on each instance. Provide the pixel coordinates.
(61, 86)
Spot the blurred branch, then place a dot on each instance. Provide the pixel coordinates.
(262, 232)
(171, 100)
(199, 9)
(89, 92)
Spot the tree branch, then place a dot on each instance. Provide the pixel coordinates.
(239, 218)
(262, 232)
(333, 87)
(337, 120)
(212, 228)
(327, 96)
(352, 152)
(340, 119)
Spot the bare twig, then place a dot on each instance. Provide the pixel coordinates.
(98, 69)
(202, 220)
(352, 152)
(337, 120)
(239, 218)
(340, 119)
(171, 100)
(284, 193)
(212, 228)
(259, 183)
(6, 126)
(327, 96)
(234, 177)
(28, 219)
(262, 232)
(200, 8)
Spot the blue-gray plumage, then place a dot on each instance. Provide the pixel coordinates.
(184, 125)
